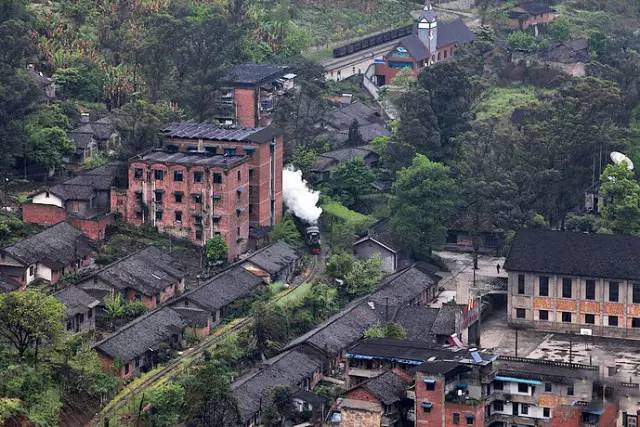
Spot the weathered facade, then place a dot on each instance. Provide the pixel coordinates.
(79, 309)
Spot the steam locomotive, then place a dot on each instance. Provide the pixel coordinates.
(311, 233)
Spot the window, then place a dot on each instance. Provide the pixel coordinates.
(178, 215)
(158, 215)
(177, 175)
(456, 418)
(613, 291)
(239, 176)
(523, 388)
(32, 270)
(524, 409)
(69, 325)
(137, 173)
(197, 176)
(635, 293)
(635, 322)
(589, 319)
(469, 419)
(544, 286)
(612, 370)
(570, 390)
(178, 197)
(158, 196)
(590, 290)
(249, 151)
(445, 54)
(498, 405)
(521, 284)
(498, 385)
(613, 320)
(90, 313)
(566, 317)
(158, 174)
(217, 178)
(126, 369)
(548, 387)
(566, 288)
(520, 313)
(430, 384)
(229, 152)
(546, 412)
(46, 194)
(197, 198)
(198, 234)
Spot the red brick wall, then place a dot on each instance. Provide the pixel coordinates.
(362, 394)
(246, 107)
(462, 410)
(94, 229)
(436, 416)
(35, 213)
(149, 301)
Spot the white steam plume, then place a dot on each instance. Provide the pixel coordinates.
(298, 197)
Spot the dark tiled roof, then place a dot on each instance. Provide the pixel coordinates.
(445, 323)
(535, 8)
(223, 289)
(75, 300)
(314, 399)
(611, 256)
(568, 53)
(541, 369)
(194, 316)
(101, 129)
(144, 333)
(342, 117)
(101, 178)
(402, 287)
(148, 271)
(274, 258)
(442, 367)
(8, 284)
(387, 387)
(202, 159)
(326, 161)
(252, 74)
(72, 191)
(212, 132)
(81, 139)
(415, 47)
(288, 368)
(454, 32)
(57, 246)
(417, 321)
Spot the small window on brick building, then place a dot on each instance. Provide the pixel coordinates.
(196, 197)
(566, 317)
(158, 174)
(177, 175)
(239, 176)
(137, 173)
(543, 315)
(177, 196)
(198, 234)
(521, 313)
(614, 288)
(229, 152)
(197, 176)
(548, 387)
(251, 173)
(523, 388)
(546, 412)
(544, 286)
(589, 319)
(469, 419)
(590, 290)
(613, 320)
(521, 284)
(178, 215)
(430, 384)
(566, 288)
(249, 151)
(158, 215)
(217, 178)
(570, 390)
(635, 322)
(238, 232)
(158, 196)
(455, 417)
(635, 293)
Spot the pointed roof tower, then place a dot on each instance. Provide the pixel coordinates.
(428, 14)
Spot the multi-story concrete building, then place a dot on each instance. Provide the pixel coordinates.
(575, 282)
(251, 92)
(263, 148)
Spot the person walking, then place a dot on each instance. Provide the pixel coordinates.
(498, 268)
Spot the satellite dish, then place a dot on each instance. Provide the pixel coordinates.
(618, 158)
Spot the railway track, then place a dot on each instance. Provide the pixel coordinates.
(172, 368)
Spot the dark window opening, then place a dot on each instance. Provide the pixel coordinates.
(138, 173)
(217, 178)
(543, 315)
(498, 385)
(520, 313)
(523, 388)
(158, 215)
(178, 197)
(239, 176)
(158, 196)
(635, 322)
(570, 390)
(229, 152)
(521, 284)
(614, 288)
(197, 198)
(456, 418)
(546, 412)
(498, 405)
(177, 175)
(566, 288)
(431, 385)
(197, 176)
(613, 320)
(178, 216)
(524, 409)
(566, 317)
(548, 387)
(544, 286)
(469, 419)
(589, 319)
(635, 293)
(590, 290)
(158, 174)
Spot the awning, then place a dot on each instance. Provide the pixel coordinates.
(518, 380)
(429, 381)
(426, 405)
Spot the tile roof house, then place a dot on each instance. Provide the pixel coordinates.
(93, 136)
(325, 163)
(279, 260)
(79, 309)
(530, 14)
(150, 276)
(382, 242)
(428, 324)
(45, 84)
(570, 57)
(410, 286)
(48, 255)
(8, 284)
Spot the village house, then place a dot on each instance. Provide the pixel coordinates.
(9, 284)
(336, 123)
(279, 260)
(326, 163)
(149, 276)
(251, 92)
(79, 309)
(380, 241)
(84, 201)
(431, 42)
(575, 282)
(570, 57)
(45, 84)
(141, 344)
(530, 14)
(306, 402)
(92, 137)
(58, 250)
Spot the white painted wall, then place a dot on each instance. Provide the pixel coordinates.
(43, 272)
(52, 199)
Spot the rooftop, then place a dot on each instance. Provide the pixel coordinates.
(534, 8)
(8, 284)
(253, 74)
(274, 257)
(75, 300)
(424, 323)
(453, 32)
(402, 287)
(387, 387)
(611, 256)
(191, 159)
(191, 130)
(57, 246)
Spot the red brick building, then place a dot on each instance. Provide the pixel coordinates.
(251, 92)
(530, 14)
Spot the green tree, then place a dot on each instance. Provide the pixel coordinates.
(209, 400)
(216, 249)
(280, 406)
(559, 30)
(363, 278)
(424, 199)
(419, 123)
(286, 231)
(30, 320)
(167, 401)
(339, 265)
(522, 40)
(303, 159)
(270, 326)
(47, 146)
(350, 181)
(354, 137)
(114, 307)
(620, 196)
(386, 330)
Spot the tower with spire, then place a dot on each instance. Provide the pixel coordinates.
(428, 28)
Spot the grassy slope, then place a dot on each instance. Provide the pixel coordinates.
(498, 102)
